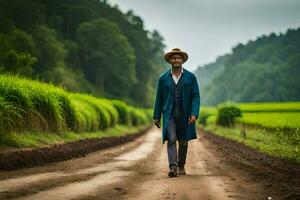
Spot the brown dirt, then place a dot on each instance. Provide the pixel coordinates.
(216, 169)
(280, 175)
(12, 159)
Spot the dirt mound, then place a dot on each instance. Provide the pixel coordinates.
(17, 159)
(278, 174)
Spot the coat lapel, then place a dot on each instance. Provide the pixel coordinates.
(185, 79)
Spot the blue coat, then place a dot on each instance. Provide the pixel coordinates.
(164, 102)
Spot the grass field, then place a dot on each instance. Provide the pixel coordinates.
(38, 139)
(33, 112)
(262, 140)
(272, 120)
(272, 128)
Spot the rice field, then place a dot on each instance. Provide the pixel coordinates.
(270, 107)
(269, 115)
(272, 120)
(31, 105)
(272, 128)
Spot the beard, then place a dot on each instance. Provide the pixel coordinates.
(176, 66)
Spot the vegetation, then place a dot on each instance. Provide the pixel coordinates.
(265, 141)
(37, 139)
(272, 120)
(263, 70)
(30, 109)
(83, 46)
(227, 114)
(270, 107)
(272, 128)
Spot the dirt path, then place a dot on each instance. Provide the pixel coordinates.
(137, 170)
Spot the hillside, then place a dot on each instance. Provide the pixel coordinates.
(82, 45)
(264, 70)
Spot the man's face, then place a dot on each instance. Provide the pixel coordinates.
(176, 60)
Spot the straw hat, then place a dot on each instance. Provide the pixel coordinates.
(176, 51)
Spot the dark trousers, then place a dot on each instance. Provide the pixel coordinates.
(177, 159)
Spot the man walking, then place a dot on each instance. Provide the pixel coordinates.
(178, 100)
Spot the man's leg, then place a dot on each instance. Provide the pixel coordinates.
(172, 138)
(182, 153)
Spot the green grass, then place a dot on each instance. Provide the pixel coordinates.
(272, 120)
(283, 115)
(31, 106)
(270, 107)
(265, 141)
(38, 139)
(272, 128)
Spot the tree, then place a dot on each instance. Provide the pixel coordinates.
(108, 58)
(17, 51)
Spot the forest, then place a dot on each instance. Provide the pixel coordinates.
(264, 70)
(82, 45)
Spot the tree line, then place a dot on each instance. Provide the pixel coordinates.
(264, 70)
(82, 45)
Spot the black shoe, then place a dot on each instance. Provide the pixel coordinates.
(173, 171)
(181, 171)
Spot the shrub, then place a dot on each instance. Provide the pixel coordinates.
(138, 116)
(227, 112)
(39, 101)
(205, 113)
(123, 110)
(86, 118)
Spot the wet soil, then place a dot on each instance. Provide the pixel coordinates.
(217, 168)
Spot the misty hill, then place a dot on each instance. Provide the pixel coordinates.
(83, 45)
(267, 69)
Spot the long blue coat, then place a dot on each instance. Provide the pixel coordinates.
(164, 102)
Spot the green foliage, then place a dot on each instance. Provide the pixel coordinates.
(17, 52)
(34, 113)
(264, 70)
(123, 110)
(109, 58)
(35, 106)
(107, 115)
(86, 117)
(278, 144)
(274, 115)
(270, 127)
(205, 113)
(227, 112)
(10, 115)
(149, 113)
(270, 107)
(272, 119)
(83, 46)
(44, 105)
(138, 116)
(36, 139)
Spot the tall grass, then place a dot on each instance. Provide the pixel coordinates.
(28, 105)
(270, 107)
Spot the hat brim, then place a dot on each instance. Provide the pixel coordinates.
(183, 54)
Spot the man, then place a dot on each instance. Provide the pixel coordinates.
(178, 100)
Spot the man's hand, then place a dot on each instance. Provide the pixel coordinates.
(157, 123)
(192, 119)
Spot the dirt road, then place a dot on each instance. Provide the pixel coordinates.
(138, 170)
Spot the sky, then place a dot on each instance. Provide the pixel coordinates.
(206, 29)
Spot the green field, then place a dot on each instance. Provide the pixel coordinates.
(272, 128)
(265, 141)
(270, 107)
(29, 108)
(268, 115)
(272, 120)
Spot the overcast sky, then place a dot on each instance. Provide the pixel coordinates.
(206, 29)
